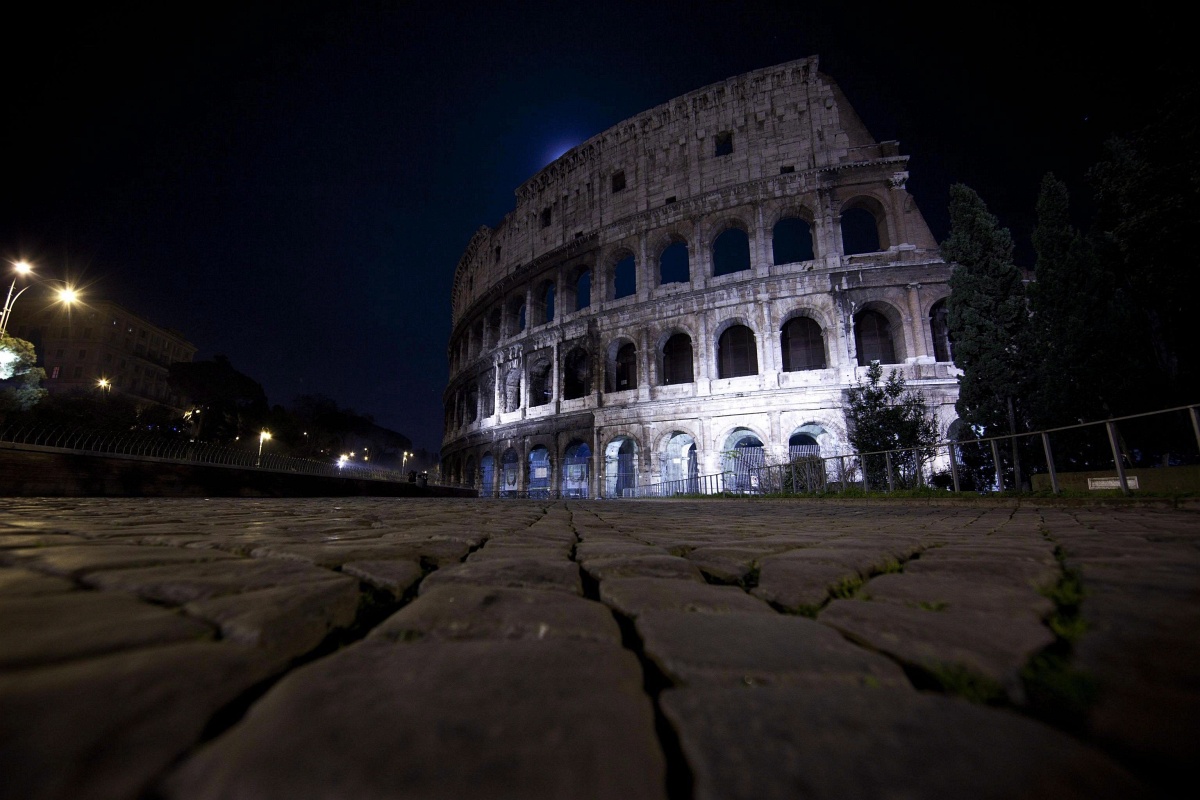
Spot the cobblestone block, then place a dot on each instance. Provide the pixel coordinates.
(75, 560)
(648, 566)
(105, 728)
(514, 573)
(442, 719)
(635, 596)
(837, 742)
(20, 582)
(994, 646)
(177, 584)
(934, 591)
(54, 627)
(393, 577)
(757, 649)
(462, 611)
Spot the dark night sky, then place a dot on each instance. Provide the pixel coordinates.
(292, 184)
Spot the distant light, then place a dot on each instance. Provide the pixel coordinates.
(264, 436)
(22, 267)
(68, 295)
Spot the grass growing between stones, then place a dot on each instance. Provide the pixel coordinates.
(1056, 692)
(957, 680)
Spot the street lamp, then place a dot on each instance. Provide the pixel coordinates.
(404, 461)
(21, 268)
(104, 385)
(262, 437)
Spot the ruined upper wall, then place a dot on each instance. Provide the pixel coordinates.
(786, 118)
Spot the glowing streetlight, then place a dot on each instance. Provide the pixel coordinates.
(68, 295)
(404, 461)
(264, 436)
(21, 269)
(104, 384)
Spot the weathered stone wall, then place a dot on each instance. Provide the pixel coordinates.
(755, 155)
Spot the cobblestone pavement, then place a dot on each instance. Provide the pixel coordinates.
(375, 648)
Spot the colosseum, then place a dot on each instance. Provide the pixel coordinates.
(691, 292)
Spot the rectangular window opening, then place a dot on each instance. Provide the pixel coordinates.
(788, 170)
(723, 144)
(618, 181)
(546, 217)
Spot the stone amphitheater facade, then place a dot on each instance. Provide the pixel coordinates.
(694, 288)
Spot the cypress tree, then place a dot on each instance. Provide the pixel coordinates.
(988, 319)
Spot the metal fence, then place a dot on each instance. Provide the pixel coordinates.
(1147, 443)
(185, 451)
(717, 483)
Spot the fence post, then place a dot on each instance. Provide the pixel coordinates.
(953, 465)
(863, 463)
(1050, 462)
(887, 457)
(841, 474)
(1195, 424)
(1116, 451)
(996, 464)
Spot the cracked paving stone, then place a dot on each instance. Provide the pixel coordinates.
(184, 583)
(758, 649)
(76, 560)
(842, 742)
(55, 627)
(514, 573)
(795, 585)
(285, 621)
(335, 555)
(650, 566)
(442, 720)
(20, 582)
(635, 596)
(104, 728)
(463, 611)
(994, 646)
(1033, 573)
(393, 577)
(951, 593)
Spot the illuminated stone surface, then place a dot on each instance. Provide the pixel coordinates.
(563, 351)
(254, 673)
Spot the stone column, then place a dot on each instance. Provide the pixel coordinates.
(920, 331)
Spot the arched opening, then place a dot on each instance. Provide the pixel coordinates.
(939, 326)
(540, 389)
(803, 445)
(622, 367)
(673, 264)
(863, 228)
(472, 403)
(577, 374)
(539, 472)
(512, 388)
(510, 466)
(620, 467)
(737, 354)
(576, 470)
(731, 252)
(680, 463)
(791, 241)
(487, 395)
(493, 327)
(743, 456)
(487, 475)
(546, 301)
(468, 476)
(802, 345)
(873, 338)
(677, 360)
(583, 290)
(516, 316)
(624, 278)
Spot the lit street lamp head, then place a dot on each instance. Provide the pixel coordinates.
(68, 295)
(22, 267)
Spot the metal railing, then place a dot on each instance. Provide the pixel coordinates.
(183, 451)
(717, 483)
(1143, 442)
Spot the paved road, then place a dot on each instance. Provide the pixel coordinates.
(374, 648)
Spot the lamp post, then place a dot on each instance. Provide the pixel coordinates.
(104, 385)
(21, 268)
(262, 437)
(404, 461)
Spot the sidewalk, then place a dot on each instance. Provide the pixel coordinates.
(378, 648)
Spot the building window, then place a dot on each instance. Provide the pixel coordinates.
(626, 368)
(731, 252)
(803, 345)
(677, 360)
(546, 217)
(618, 181)
(673, 264)
(723, 144)
(736, 353)
(873, 338)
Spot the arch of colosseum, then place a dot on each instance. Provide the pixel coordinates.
(695, 287)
